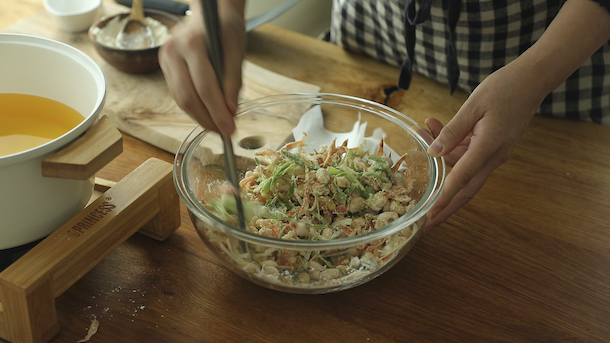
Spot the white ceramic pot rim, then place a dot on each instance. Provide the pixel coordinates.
(78, 57)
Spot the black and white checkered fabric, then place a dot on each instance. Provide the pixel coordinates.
(487, 35)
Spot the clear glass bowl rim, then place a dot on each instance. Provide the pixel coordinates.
(196, 208)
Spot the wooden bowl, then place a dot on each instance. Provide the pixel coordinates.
(130, 61)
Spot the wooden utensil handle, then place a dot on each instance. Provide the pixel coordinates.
(146, 198)
(137, 11)
(86, 155)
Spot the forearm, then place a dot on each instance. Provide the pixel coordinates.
(234, 6)
(580, 28)
(237, 7)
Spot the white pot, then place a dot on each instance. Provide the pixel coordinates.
(33, 206)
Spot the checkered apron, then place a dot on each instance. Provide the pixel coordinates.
(459, 43)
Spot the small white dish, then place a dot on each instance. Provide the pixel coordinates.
(73, 15)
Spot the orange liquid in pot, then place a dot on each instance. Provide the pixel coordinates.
(27, 121)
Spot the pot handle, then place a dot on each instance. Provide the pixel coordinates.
(87, 155)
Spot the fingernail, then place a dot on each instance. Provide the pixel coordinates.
(435, 149)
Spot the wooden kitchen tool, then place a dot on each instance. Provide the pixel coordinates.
(144, 201)
(135, 33)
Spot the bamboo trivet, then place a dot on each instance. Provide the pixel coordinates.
(144, 201)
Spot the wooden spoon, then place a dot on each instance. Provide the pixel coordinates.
(135, 33)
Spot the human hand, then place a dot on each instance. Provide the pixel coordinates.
(189, 74)
(497, 113)
(482, 135)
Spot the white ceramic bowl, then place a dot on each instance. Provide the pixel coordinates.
(73, 15)
(33, 206)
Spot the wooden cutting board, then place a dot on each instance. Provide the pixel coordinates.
(141, 105)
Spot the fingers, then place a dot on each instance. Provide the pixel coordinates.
(177, 77)
(209, 91)
(454, 132)
(439, 213)
(434, 125)
(468, 160)
(234, 55)
(191, 78)
(451, 157)
(479, 155)
(233, 85)
(467, 177)
(473, 160)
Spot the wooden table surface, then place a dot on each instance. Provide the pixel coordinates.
(527, 260)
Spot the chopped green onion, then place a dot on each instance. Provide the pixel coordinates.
(334, 171)
(298, 159)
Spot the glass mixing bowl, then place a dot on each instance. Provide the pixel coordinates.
(293, 264)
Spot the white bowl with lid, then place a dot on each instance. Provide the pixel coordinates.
(74, 15)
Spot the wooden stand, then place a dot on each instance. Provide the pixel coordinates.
(144, 200)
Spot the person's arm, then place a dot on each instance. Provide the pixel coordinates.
(189, 73)
(580, 28)
(500, 108)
